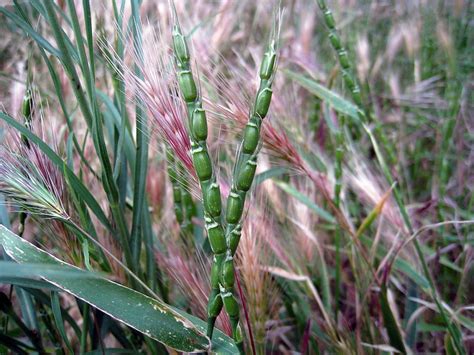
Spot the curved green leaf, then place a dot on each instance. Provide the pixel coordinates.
(306, 200)
(149, 316)
(332, 98)
(270, 173)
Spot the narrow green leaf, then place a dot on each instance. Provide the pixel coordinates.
(29, 283)
(305, 200)
(141, 157)
(58, 319)
(393, 330)
(333, 99)
(399, 264)
(367, 222)
(31, 32)
(149, 316)
(270, 173)
(32, 270)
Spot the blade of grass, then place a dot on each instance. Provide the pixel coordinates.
(58, 319)
(306, 201)
(141, 157)
(336, 101)
(149, 316)
(94, 120)
(393, 330)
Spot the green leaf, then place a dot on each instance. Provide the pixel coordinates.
(221, 343)
(305, 200)
(333, 99)
(399, 264)
(149, 316)
(270, 173)
(58, 319)
(36, 270)
(393, 330)
(22, 282)
(31, 32)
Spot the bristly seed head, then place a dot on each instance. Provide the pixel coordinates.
(31, 183)
(157, 88)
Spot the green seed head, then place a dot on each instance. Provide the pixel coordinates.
(251, 138)
(215, 270)
(268, 65)
(235, 208)
(189, 205)
(179, 213)
(177, 194)
(322, 4)
(339, 154)
(246, 175)
(187, 85)
(263, 102)
(213, 200)
(348, 79)
(356, 96)
(238, 338)
(27, 105)
(202, 163)
(199, 124)
(329, 19)
(180, 47)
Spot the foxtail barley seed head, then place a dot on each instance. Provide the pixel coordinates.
(157, 89)
(32, 183)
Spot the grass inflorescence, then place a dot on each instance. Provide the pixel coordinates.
(236, 182)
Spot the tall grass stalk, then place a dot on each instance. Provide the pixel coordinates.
(340, 145)
(94, 122)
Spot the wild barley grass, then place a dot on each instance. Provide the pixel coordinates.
(346, 225)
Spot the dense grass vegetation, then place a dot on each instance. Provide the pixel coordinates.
(237, 176)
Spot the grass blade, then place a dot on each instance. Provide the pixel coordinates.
(306, 201)
(333, 99)
(149, 316)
